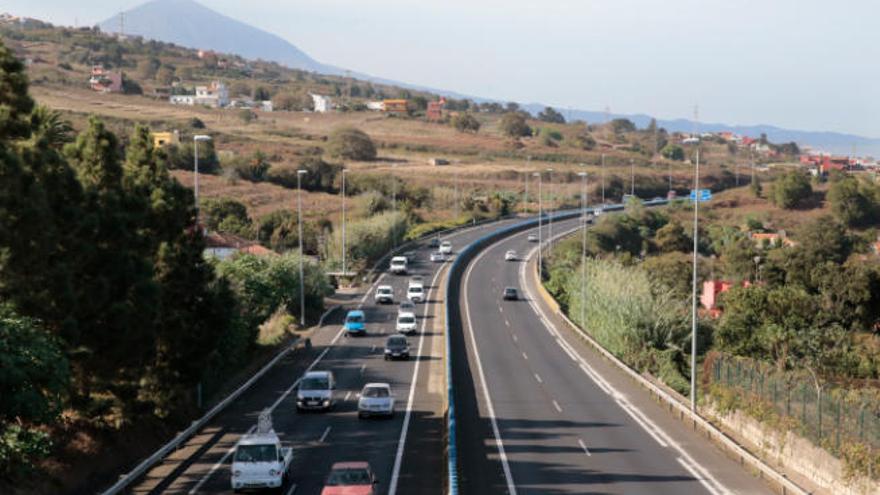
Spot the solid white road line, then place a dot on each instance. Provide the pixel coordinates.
(657, 433)
(556, 405)
(499, 442)
(324, 435)
(699, 478)
(401, 443)
(584, 446)
(219, 463)
(291, 489)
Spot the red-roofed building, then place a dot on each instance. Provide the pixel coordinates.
(435, 109)
(712, 289)
(222, 246)
(105, 81)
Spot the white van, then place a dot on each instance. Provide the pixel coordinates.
(398, 265)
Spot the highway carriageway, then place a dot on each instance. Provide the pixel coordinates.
(539, 411)
(406, 452)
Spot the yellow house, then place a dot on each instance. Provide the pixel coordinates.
(162, 138)
(395, 106)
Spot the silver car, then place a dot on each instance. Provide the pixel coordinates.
(376, 399)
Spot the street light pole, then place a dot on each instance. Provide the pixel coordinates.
(196, 139)
(394, 201)
(632, 177)
(455, 198)
(583, 176)
(550, 215)
(603, 179)
(694, 286)
(540, 220)
(302, 293)
(344, 172)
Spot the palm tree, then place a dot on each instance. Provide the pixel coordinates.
(49, 128)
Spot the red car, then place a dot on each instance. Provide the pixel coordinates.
(350, 478)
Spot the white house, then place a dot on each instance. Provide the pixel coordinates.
(321, 103)
(182, 100)
(376, 106)
(216, 95)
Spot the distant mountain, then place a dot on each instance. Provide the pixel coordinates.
(190, 24)
(832, 142)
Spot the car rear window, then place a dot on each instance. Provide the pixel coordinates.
(344, 477)
(406, 319)
(255, 453)
(376, 392)
(315, 383)
(355, 319)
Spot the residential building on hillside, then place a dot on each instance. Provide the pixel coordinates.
(105, 81)
(394, 106)
(222, 246)
(321, 103)
(164, 138)
(376, 106)
(771, 239)
(712, 290)
(214, 95)
(435, 109)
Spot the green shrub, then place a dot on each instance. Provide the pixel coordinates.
(351, 144)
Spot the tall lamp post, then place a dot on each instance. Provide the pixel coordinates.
(583, 176)
(196, 139)
(632, 177)
(394, 200)
(540, 220)
(694, 285)
(603, 180)
(550, 215)
(344, 172)
(302, 293)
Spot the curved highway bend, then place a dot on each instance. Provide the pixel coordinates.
(416, 465)
(540, 412)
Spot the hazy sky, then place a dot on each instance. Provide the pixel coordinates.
(802, 64)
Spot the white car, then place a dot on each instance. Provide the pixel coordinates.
(438, 257)
(416, 280)
(384, 294)
(406, 307)
(416, 293)
(398, 265)
(445, 247)
(316, 391)
(376, 399)
(533, 237)
(260, 460)
(406, 323)
(510, 255)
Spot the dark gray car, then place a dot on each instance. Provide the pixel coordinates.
(396, 347)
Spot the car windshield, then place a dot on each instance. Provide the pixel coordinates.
(343, 477)
(384, 291)
(355, 319)
(510, 290)
(396, 342)
(406, 319)
(376, 392)
(255, 453)
(315, 383)
(415, 289)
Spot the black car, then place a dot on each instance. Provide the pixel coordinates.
(510, 294)
(434, 243)
(396, 347)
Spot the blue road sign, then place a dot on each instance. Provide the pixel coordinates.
(704, 194)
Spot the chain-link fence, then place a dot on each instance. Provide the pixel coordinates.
(829, 416)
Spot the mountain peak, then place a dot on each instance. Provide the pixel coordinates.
(190, 24)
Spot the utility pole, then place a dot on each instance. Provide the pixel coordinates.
(603, 180)
(455, 197)
(302, 293)
(394, 201)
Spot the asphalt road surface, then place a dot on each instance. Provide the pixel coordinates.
(406, 452)
(540, 412)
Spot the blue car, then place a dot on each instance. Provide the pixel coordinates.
(354, 322)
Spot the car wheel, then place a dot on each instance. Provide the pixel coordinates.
(386, 357)
(360, 415)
